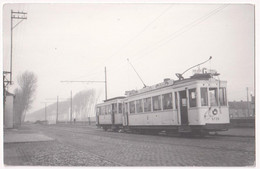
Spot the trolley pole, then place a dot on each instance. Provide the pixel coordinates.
(106, 83)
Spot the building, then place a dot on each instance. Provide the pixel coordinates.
(241, 109)
(9, 110)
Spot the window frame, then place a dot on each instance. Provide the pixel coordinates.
(191, 100)
(169, 99)
(207, 97)
(139, 104)
(216, 96)
(133, 107)
(159, 101)
(224, 96)
(120, 108)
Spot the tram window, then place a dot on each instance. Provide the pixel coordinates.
(176, 101)
(132, 106)
(213, 96)
(119, 108)
(139, 106)
(192, 97)
(222, 96)
(204, 96)
(167, 101)
(156, 103)
(126, 108)
(103, 111)
(114, 108)
(147, 104)
(106, 109)
(98, 110)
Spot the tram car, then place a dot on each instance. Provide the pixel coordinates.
(193, 105)
(196, 105)
(109, 114)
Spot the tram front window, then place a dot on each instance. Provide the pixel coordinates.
(204, 96)
(192, 97)
(213, 96)
(222, 96)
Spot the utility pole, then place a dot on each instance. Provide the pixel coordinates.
(57, 115)
(71, 106)
(88, 81)
(247, 101)
(45, 112)
(20, 16)
(57, 112)
(105, 83)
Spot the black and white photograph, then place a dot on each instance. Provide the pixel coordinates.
(120, 83)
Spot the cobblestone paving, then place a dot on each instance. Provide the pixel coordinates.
(88, 146)
(53, 153)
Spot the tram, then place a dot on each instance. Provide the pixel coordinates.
(197, 104)
(109, 114)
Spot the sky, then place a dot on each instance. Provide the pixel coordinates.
(77, 41)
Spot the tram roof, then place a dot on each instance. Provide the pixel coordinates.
(170, 82)
(115, 98)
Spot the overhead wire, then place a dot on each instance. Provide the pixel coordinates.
(135, 37)
(179, 32)
(172, 36)
(182, 30)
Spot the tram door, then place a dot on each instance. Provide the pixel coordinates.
(114, 110)
(183, 107)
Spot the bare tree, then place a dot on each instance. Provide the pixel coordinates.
(25, 94)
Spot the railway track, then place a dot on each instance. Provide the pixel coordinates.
(164, 139)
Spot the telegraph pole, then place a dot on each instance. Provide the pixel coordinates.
(45, 112)
(247, 101)
(57, 112)
(75, 81)
(21, 16)
(105, 83)
(71, 106)
(57, 118)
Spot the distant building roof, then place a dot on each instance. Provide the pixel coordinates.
(239, 105)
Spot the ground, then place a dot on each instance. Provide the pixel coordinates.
(72, 145)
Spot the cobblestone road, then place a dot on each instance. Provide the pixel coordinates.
(89, 146)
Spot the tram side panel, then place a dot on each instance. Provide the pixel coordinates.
(105, 119)
(118, 119)
(139, 116)
(161, 118)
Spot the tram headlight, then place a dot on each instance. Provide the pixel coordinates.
(215, 112)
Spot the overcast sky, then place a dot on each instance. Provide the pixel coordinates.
(76, 41)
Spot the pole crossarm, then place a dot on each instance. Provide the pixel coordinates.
(71, 81)
(18, 12)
